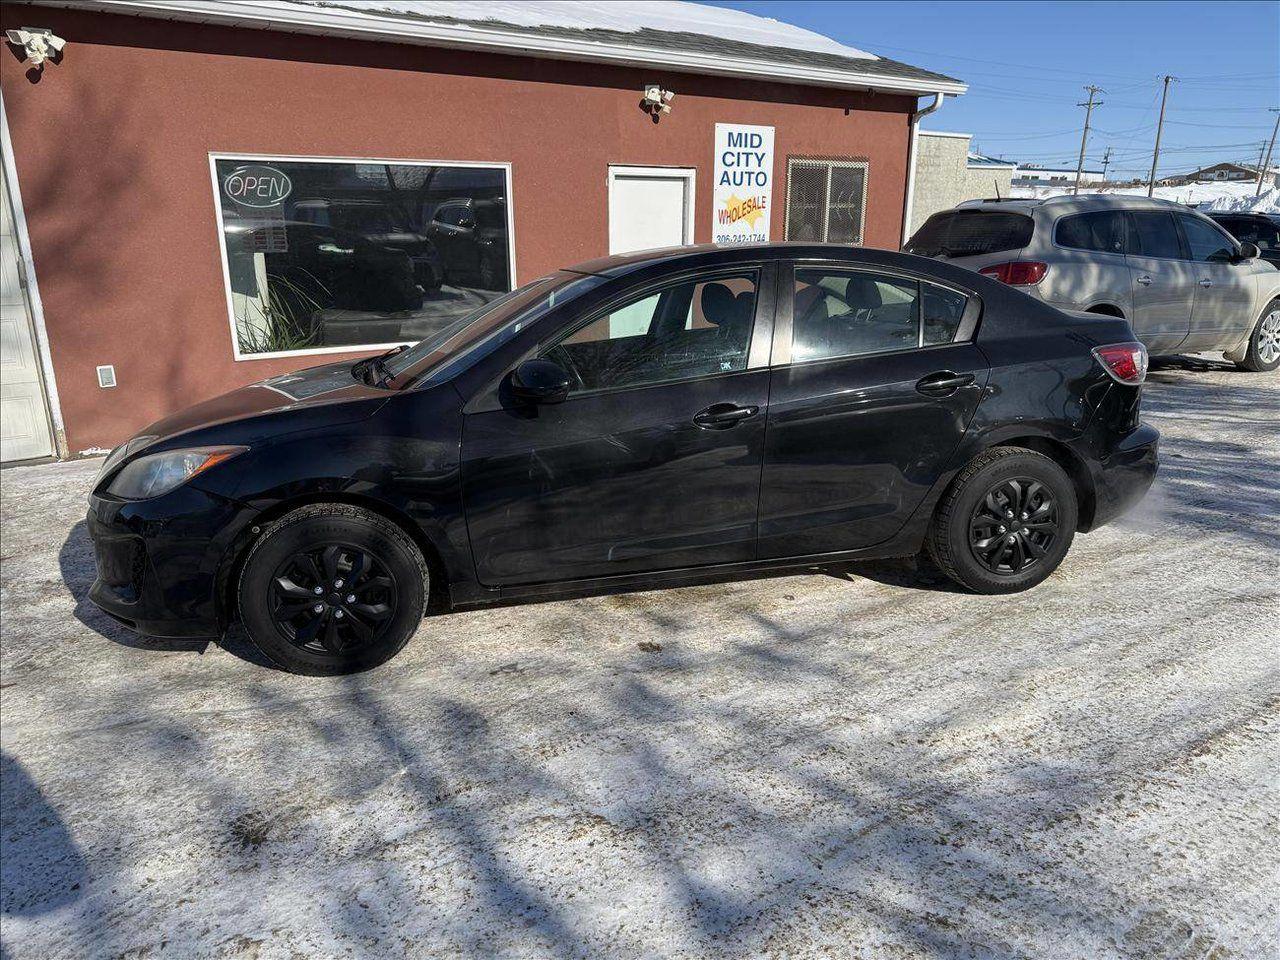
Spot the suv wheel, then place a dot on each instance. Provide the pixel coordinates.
(1006, 522)
(331, 588)
(1263, 352)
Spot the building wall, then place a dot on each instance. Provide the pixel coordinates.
(112, 150)
(944, 178)
(1033, 175)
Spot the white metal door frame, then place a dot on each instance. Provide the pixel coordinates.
(688, 174)
(35, 306)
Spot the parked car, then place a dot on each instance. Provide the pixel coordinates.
(1260, 229)
(1180, 279)
(640, 419)
(471, 236)
(380, 224)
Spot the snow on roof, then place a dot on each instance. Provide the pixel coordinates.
(979, 160)
(690, 37)
(624, 16)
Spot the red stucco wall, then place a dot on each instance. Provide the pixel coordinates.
(112, 146)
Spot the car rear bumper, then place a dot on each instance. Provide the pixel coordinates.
(1123, 478)
(158, 560)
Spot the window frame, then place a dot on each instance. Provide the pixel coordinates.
(784, 313)
(830, 163)
(762, 323)
(220, 236)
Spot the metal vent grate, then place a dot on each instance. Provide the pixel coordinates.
(826, 199)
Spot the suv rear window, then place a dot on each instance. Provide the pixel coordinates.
(968, 233)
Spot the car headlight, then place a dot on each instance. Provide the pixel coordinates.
(158, 473)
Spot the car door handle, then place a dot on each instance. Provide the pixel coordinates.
(1206, 283)
(720, 416)
(1145, 281)
(943, 383)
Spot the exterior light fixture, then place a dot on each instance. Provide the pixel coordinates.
(38, 43)
(656, 100)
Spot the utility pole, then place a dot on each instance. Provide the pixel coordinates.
(1266, 164)
(1084, 137)
(1155, 157)
(1106, 161)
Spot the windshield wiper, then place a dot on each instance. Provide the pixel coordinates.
(373, 370)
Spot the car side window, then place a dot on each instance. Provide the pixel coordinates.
(1154, 235)
(681, 332)
(1208, 244)
(1103, 232)
(843, 313)
(942, 310)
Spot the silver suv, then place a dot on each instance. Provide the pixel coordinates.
(1183, 283)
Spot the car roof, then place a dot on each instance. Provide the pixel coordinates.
(1058, 206)
(711, 256)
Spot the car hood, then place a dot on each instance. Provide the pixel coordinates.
(296, 393)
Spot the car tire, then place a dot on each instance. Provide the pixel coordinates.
(1263, 352)
(974, 540)
(373, 588)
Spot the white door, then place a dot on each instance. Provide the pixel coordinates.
(24, 416)
(649, 207)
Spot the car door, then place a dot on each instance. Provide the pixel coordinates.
(874, 383)
(1223, 309)
(1164, 281)
(653, 460)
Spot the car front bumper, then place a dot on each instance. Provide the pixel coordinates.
(1123, 477)
(158, 561)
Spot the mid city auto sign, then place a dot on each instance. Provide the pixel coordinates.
(743, 184)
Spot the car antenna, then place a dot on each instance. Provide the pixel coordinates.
(996, 181)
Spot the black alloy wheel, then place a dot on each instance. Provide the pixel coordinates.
(332, 598)
(332, 588)
(1014, 526)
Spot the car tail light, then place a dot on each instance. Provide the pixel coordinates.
(1125, 362)
(1017, 273)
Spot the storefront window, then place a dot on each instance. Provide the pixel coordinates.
(339, 254)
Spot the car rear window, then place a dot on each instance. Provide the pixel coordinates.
(968, 233)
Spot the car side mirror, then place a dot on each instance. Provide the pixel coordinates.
(1248, 251)
(540, 381)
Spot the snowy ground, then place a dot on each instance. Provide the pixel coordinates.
(857, 763)
(1206, 196)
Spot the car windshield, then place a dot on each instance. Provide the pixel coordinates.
(968, 233)
(458, 345)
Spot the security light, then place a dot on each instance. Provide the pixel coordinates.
(38, 43)
(656, 99)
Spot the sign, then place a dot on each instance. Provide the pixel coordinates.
(257, 185)
(743, 191)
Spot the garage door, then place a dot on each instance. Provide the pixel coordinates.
(24, 417)
(649, 207)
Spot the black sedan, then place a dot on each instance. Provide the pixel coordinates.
(640, 419)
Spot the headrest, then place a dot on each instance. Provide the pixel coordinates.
(717, 303)
(862, 293)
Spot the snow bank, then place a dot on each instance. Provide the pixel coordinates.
(1204, 196)
(1268, 202)
(626, 16)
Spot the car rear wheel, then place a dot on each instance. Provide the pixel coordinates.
(1006, 522)
(331, 588)
(1263, 352)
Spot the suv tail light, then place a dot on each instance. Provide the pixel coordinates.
(1125, 362)
(1017, 273)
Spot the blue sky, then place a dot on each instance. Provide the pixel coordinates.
(1026, 65)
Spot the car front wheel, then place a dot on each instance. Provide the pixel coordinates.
(1005, 523)
(331, 588)
(1263, 352)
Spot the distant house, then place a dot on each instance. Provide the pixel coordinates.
(947, 172)
(1226, 170)
(1031, 174)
